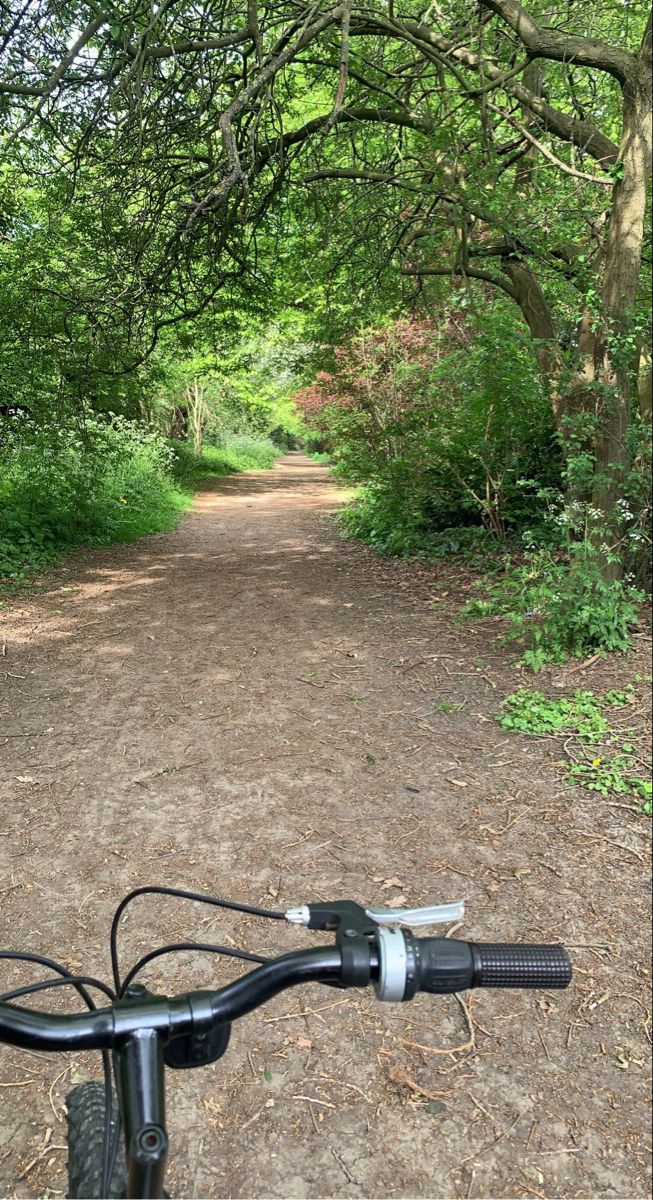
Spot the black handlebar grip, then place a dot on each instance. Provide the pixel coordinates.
(445, 965)
(498, 965)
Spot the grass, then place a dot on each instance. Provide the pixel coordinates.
(237, 453)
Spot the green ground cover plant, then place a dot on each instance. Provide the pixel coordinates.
(528, 711)
(613, 776)
(583, 720)
(554, 611)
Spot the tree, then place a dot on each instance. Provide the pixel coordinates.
(499, 145)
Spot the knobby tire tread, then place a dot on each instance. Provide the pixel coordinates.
(86, 1117)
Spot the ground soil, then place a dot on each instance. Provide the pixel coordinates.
(252, 706)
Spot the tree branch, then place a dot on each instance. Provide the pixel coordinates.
(193, 47)
(344, 68)
(45, 89)
(472, 272)
(583, 134)
(543, 42)
(548, 154)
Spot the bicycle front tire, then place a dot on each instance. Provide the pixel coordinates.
(86, 1105)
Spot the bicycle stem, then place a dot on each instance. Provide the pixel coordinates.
(141, 1090)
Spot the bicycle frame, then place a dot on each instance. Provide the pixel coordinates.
(141, 1096)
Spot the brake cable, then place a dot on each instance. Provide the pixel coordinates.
(80, 983)
(204, 947)
(180, 893)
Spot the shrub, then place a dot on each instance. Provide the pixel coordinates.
(447, 426)
(102, 481)
(233, 453)
(558, 610)
(395, 526)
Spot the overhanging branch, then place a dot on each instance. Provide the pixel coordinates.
(471, 272)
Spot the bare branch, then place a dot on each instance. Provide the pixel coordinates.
(344, 68)
(193, 47)
(45, 89)
(583, 134)
(548, 154)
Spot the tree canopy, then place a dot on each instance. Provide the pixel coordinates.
(179, 180)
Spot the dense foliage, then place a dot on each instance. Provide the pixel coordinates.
(447, 426)
(101, 481)
(432, 223)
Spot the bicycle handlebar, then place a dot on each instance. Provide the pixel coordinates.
(191, 1014)
(399, 965)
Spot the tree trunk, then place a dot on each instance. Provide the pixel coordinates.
(527, 291)
(607, 345)
(537, 314)
(645, 387)
(197, 413)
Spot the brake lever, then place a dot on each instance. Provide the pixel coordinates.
(330, 916)
(435, 914)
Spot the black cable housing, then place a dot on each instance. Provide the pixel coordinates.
(182, 894)
(178, 947)
(29, 989)
(80, 983)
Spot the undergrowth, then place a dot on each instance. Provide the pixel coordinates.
(555, 611)
(399, 531)
(234, 453)
(581, 719)
(582, 714)
(105, 481)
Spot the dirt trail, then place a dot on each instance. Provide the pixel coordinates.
(251, 706)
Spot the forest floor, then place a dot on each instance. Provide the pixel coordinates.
(253, 707)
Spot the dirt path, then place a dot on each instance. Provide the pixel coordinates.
(250, 706)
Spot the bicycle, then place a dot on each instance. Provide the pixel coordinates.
(120, 1150)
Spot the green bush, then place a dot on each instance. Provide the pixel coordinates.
(557, 610)
(396, 524)
(443, 436)
(236, 452)
(103, 481)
